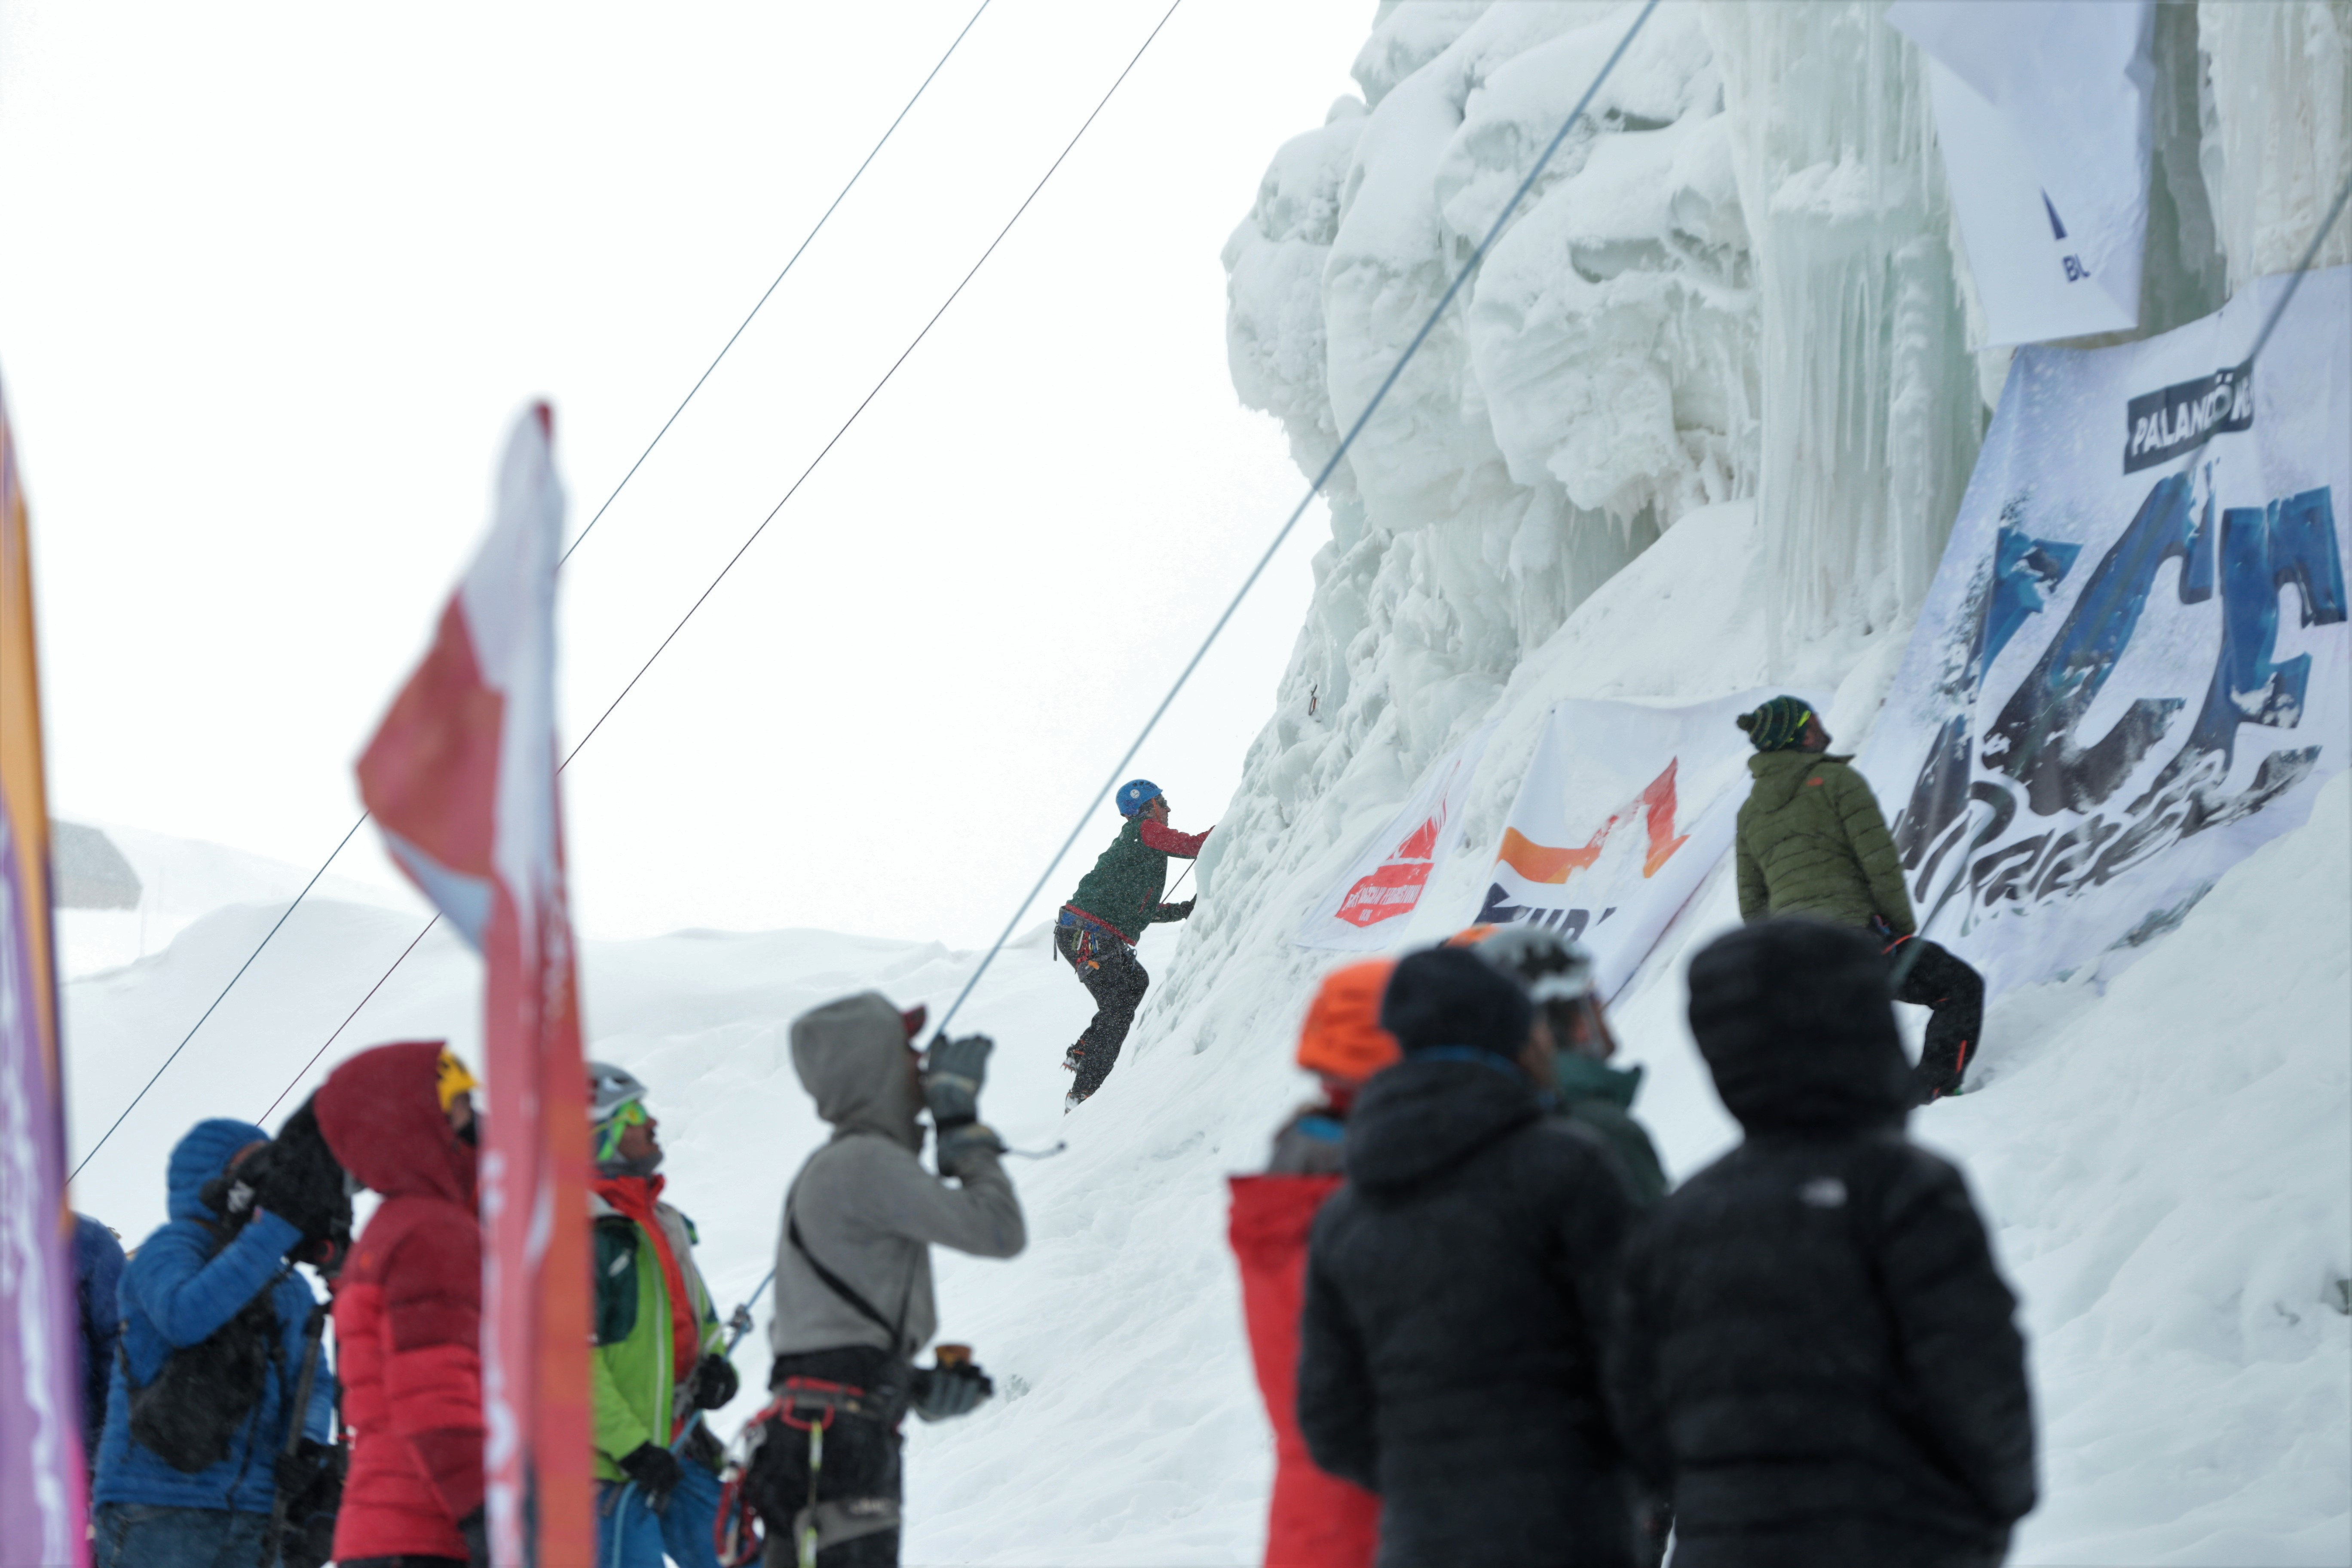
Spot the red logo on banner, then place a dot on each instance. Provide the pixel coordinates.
(1541, 863)
(1395, 886)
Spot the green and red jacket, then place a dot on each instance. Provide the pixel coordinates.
(643, 1348)
(1811, 841)
(1123, 890)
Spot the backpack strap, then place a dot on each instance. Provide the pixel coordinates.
(848, 1293)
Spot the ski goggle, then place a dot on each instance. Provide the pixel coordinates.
(609, 1131)
(451, 1080)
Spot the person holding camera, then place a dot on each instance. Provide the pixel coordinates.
(216, 1328)
(660, 1357)
(853, 1277)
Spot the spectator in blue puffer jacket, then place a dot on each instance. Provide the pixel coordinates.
(186, 1283)
(98, 1275)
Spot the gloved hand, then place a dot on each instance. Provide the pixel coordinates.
(310, 1480)
(940, 1394)
(476, 1528)
(715, 1382)
(966, 1141)
(952, 1080)
(296, 1178)
(1184, 909)
(656, 1472)
(311, 1477)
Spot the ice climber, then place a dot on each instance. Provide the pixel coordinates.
(1457, 1290)
(1811, 841)
(660, 1355)
(1104, 919)
(854, 1298)
(1315, 1520)
(1813, 1347)
(408, 1309)
(215, 1330)
(1557, 976)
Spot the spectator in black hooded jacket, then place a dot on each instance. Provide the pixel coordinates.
(1456, 1292)
(1812, 1348)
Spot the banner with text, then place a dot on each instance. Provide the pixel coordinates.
(1623, 812)
(1368, 909)
(2132, 666)
(2042, 113)
(43, 1488)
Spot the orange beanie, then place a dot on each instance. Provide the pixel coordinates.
(1342, 1036)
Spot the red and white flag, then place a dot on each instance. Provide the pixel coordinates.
(462, 780)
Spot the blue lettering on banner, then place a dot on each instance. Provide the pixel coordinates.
(2035, 741)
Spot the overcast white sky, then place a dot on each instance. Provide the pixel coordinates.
(277, 278)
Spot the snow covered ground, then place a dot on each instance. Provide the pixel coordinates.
(2168, 1167)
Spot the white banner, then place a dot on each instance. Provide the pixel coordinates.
(2042, 113)
(1365, 911)
(1623, 812)
(2133, 664)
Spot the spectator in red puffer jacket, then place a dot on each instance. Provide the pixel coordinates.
(408, 1311)
(1315, 1520)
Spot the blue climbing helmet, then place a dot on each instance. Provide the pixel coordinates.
(1135, 794)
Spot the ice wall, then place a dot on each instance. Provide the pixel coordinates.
(1873, 417)
(2278, 127)
(1598, 381)
(1740, 279)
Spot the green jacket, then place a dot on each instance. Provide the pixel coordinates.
(1123, 890)
(631, 1368)
(1812, 842)
(1602, 1097)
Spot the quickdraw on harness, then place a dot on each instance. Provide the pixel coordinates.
(1093, 938)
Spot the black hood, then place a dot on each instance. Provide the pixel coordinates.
(1422, 1117)
(1796, 1019)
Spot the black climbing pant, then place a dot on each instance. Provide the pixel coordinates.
(1107, 969)
(1930, 977)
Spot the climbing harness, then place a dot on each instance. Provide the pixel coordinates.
(1087, 946)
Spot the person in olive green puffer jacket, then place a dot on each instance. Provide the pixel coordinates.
(1811, 841)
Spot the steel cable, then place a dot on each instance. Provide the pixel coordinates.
(863, 403)
(1313, 490)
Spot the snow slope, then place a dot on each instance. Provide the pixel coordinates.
(2169, 1168)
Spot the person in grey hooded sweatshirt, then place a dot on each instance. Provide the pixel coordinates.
(854, 1275)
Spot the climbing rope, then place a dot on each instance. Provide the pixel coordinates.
(1313, 490)
(268, 936)
(1035, 192)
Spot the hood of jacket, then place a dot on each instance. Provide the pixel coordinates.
(851, 1057)
(1795, 1018)
(204, 1153)
(1588, 1077)
(1424, 1116)
(1779, 775)
(380, 1114)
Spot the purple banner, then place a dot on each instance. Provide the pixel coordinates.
(42, 1488)
(40, 1417)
